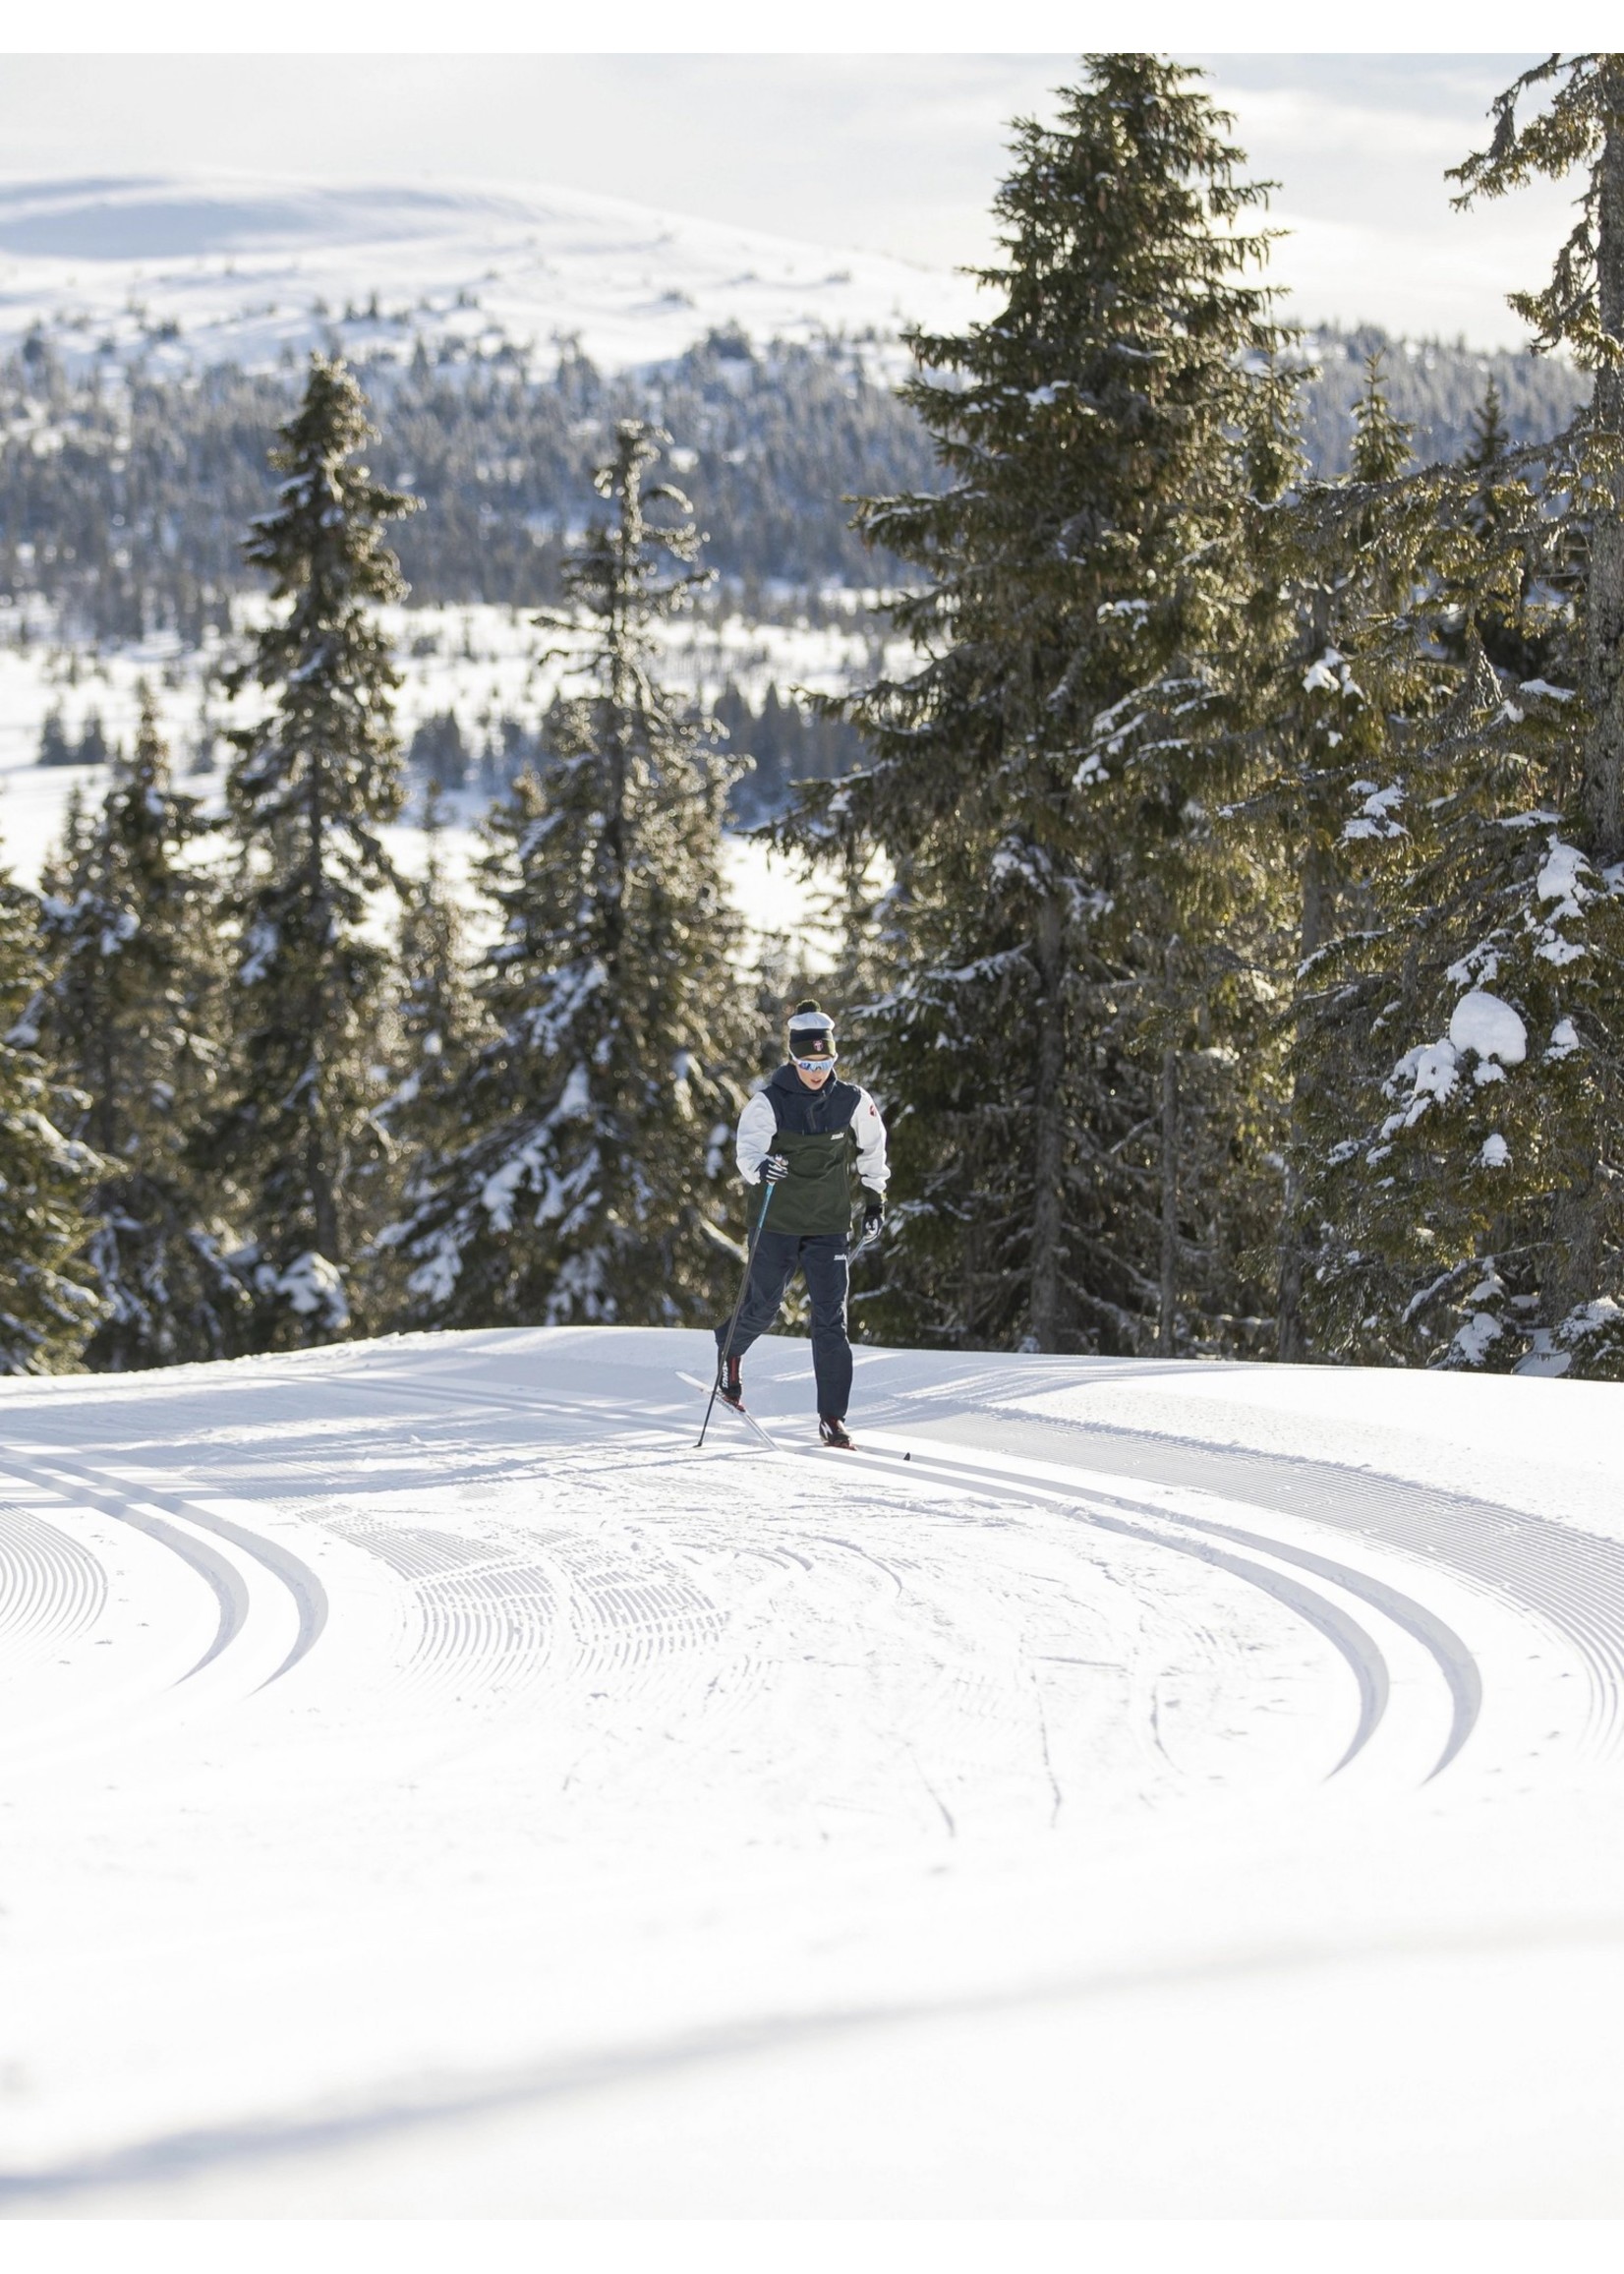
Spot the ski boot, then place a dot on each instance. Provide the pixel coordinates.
(731, 1384)
(832, 1430)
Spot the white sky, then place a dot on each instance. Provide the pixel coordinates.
(897, 153)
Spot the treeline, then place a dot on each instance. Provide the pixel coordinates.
(235, 1118)
(1233, 886)
(784, 740)
(1251, 978)
(123, 498)
(123, 495)
(1435, 388)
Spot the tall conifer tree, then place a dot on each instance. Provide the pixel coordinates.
(129, 1020)
(1580, 128)
(437, 1031)
(1475, 1190)
(1068, 1028)
(1323, 798)
(47, 1308)
(584, 1176)
(309, 789)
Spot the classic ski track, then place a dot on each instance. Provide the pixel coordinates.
(1568, 1582)
(1353, 1643)
(1455, 1662)
(51, 1589)
(117, 1500)
(621, 1623)
(217, 1573)
(627, 1608)
(508, 1613)
(1600, 1641)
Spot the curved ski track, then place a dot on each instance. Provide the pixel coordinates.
(460, 1629)
(1571, 1582)
(499, 1612)
(175, 1529)
(1532, 1566)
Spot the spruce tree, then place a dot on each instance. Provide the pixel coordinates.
(308, 790)
(436, 1010)
(584, 1176)
(1450, 1069)
(1323, 800)
(1067, 1033)
(65, 859)
(1491, 440)
(47, 1309)
(1481, 1183)
(1381, 442)
(128, 1021)
(437, 1031)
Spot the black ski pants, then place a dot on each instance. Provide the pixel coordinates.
(822, 1258)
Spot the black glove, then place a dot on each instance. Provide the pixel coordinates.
(874, 1215)
(773, 1169)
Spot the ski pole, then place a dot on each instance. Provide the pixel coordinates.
(726, 1349)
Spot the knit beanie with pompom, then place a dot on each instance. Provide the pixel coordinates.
(811, 1033)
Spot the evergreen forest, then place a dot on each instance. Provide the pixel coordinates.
(1229, 890)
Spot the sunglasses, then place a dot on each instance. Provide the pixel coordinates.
(813, 1065)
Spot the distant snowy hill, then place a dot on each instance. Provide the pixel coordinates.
(190, 270)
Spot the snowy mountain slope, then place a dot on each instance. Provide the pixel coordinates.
(433, 1788)
(190, 270)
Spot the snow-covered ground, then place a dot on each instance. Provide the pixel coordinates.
(431, 1786)
(184, 270)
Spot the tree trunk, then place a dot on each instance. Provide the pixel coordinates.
(323, 1196)
(1290, 1340)
(1605, 640)
(1049, 1133)
(319, 1181)
(1167, 1318)
(1578, 1222)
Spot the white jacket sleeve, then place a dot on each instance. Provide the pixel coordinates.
(870, 1133)
(756, 1130)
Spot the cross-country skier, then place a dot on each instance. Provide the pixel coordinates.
(802, 1134)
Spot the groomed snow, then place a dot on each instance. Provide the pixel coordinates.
(431, 1787)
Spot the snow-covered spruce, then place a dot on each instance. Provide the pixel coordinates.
(1321, 794)
(47, 1309)
(1471, 1211)
(434, 1016)
(1069, 1010)
(576, 1179)
(312, 784)
(129, 1020)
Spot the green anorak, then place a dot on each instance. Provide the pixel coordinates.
(825, 1134)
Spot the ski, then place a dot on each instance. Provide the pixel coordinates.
(722, 1404)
